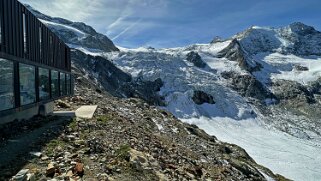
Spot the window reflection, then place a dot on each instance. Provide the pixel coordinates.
(44, 85)
(62, 84)
(54, 84)
(27, 84)
(68, 84)
(6, 85)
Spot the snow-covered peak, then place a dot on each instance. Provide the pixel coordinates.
(257, 39)
(76, 34)
(297, 38)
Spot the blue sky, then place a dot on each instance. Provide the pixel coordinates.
(172, 23)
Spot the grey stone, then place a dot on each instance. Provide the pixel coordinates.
(21, 175)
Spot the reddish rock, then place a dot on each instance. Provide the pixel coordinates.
(79, 169)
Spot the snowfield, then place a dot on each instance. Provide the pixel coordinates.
(297, 159)
(278, 66)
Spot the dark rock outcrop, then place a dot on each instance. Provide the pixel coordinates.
(196, 59)
(146, 90)
(110, 78)
(298, 98)
(201, 97)
(234, 52)
(301, 68)
(306, 40)
(315, 87)
(287, 90)
(103, 72)
(247, 85)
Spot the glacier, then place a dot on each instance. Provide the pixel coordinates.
(232, 118)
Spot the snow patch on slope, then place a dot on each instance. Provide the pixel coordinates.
(279, 66)
(292, 157)
(60, 27)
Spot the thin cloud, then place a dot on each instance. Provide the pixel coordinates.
(169, 23)
(126, 30)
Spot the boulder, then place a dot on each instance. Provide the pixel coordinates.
(51, 170)
(21, 175)
(63, 104)
(79, 169)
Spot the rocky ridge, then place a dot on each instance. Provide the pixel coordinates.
(76, 33)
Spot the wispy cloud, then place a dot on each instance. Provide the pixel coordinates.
(126, 30)
(168, 23)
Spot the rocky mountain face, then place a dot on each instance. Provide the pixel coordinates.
(297, 39)
(256, 44)
(110, 78)
(76, 33)
(196, 59)
(235, 52)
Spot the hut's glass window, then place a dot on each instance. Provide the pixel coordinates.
(24, 32)
(0, 26)
(6, 85)
(44, 84)
(62, 84)
(40, 41)
(51, 50)
(68, 84)
(27, 84)
(54, 84)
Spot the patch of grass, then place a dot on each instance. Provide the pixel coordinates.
(104, 118)
(123, 152)
(52, 145)
(73, 125)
